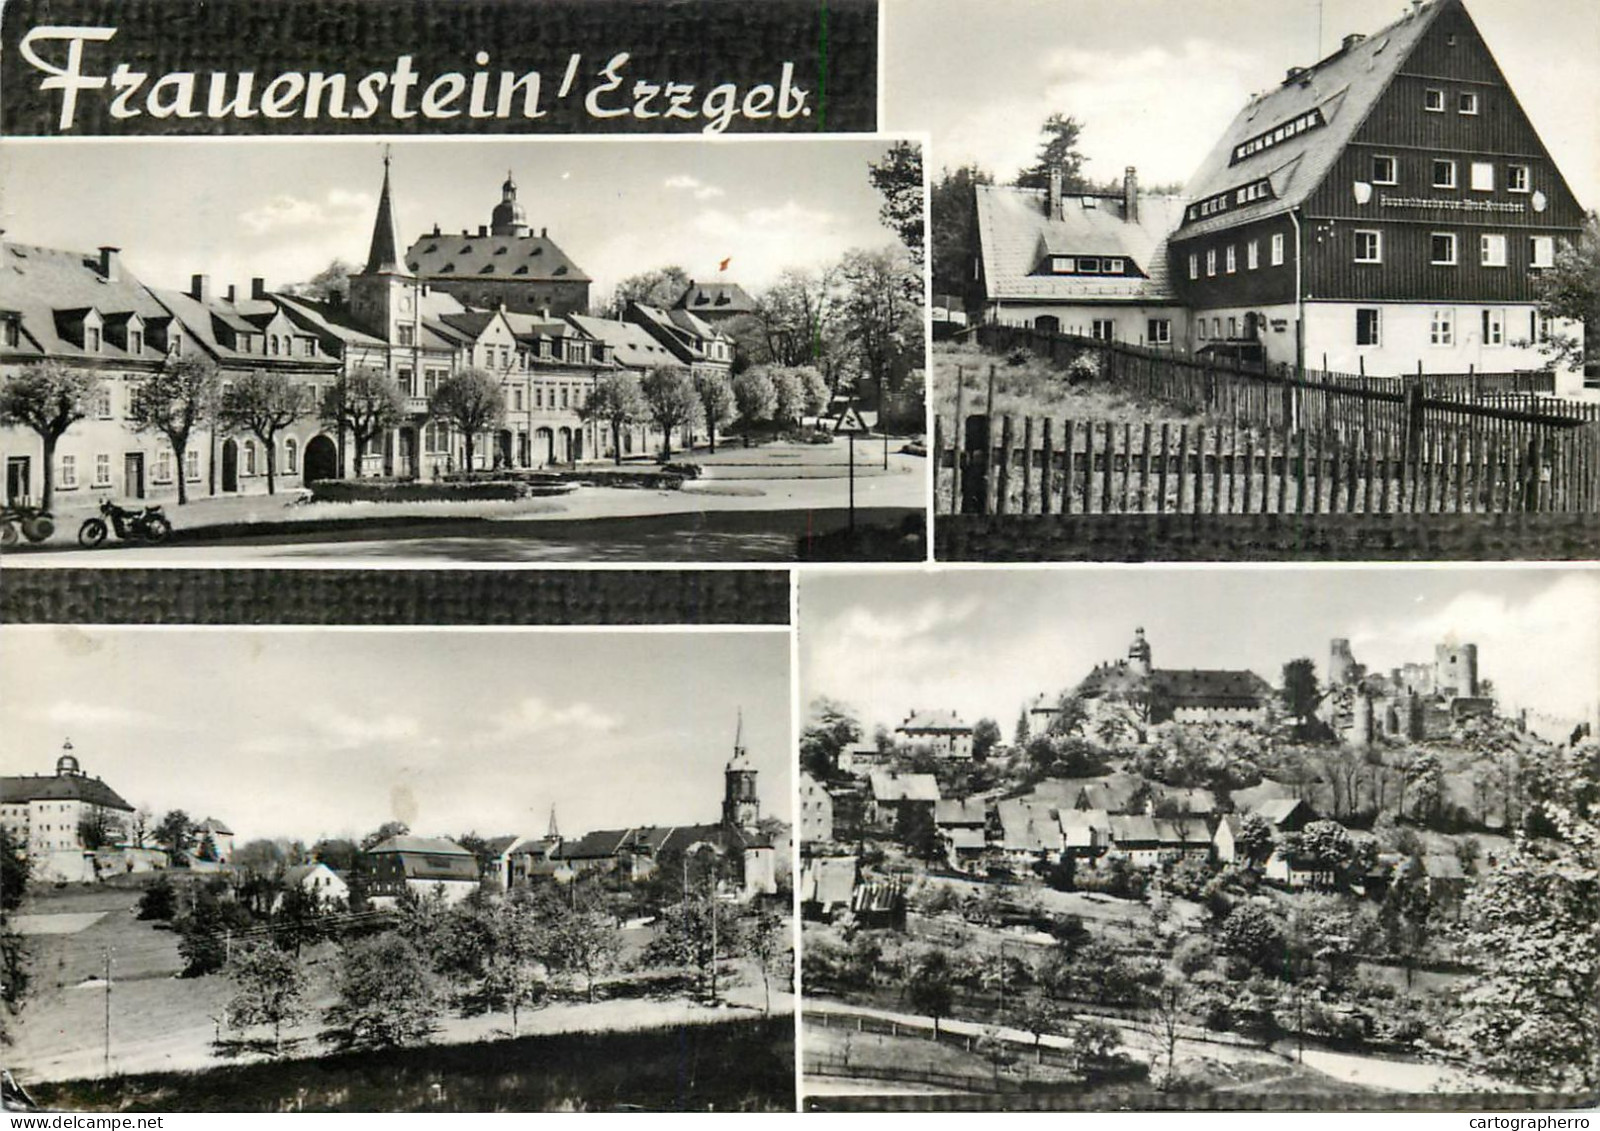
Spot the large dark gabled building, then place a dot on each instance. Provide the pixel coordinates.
(1386, 208)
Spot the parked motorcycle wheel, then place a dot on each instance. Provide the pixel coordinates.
(92, 533)
(8, 534)
(157, 529)
(38, 528)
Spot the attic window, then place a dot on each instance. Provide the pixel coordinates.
(486, 269)
(411, 266)
(466, 250)
(501, 250)
(522, 269)
(562, 270)
(430, 249)
(536, 250)
(447, 268)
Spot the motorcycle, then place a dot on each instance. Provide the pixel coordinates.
(148, 525)
(35, 524)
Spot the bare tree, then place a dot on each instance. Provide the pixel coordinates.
(48, 397)
(471, 402)
(263, 404)
(174, 402)
(366, 403)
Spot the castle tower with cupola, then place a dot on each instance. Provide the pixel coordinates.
(509, 218)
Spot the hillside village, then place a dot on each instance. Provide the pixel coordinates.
(280, 948)
(1251, 864)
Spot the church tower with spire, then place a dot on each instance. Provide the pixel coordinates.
(741, 809)
(509, 218)
(383, 297)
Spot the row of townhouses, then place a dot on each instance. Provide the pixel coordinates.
(505, 299)
(1385, 210)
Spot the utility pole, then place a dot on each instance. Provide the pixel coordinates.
(108, 1014)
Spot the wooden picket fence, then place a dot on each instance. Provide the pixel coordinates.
(1277, 443)
(1041, 466)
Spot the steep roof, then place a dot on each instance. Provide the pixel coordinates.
(889, 786)
(212, 825)
(1211, 687)
(596, 845)
(518, 259)
(434, 846)
(22, 788)
(1016, 234)
(715, 299)
(1134, 830)
(1278, 810)
(38, 282)
(959, 811)
(1340, 91)
(631, 345)
(384, 251)
(1028, 827)
(297, 875)
(935, 720)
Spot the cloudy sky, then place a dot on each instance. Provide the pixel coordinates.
(1155, 82)
(984, 642)
(282, 209)
(332, 732)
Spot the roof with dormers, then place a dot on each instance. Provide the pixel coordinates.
(715, 300)
(1340, 90)
(517, 259)
(1017, 235)
(42, 285)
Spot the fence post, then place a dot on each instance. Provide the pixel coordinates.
(1027, 463)
(975, 476)
(1002, 488)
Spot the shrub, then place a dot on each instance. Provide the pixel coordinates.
(409, 491)
(687, 470)
(159, 901)
(1018, 357)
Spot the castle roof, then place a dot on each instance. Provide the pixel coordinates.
(519, 259)
(23, 788)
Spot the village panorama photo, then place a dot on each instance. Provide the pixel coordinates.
(1298, 280)
(1316, 839)
(397, 870)
(455, 350)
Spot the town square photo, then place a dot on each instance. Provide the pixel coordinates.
(397, 870)
(1196, 839)
(452, 349)
(1301, 279)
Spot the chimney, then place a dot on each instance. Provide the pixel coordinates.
(111, 264)
(1130, 195)
(544, 233)
(1054, 207)
(258, 287)
(1351, 40)
(436, 230)
(483, 230)
(200, 288)
(230, 292)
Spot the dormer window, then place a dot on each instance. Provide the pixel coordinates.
(91, 339)
(1063, 264)
(135, 341)
(10, 332)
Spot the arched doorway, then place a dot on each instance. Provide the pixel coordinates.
(230, 465)
(564, 445)
(524, 450)
(544, 446)
(502, 447)
(321, 459)
(1049, 323)
(577, 446)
